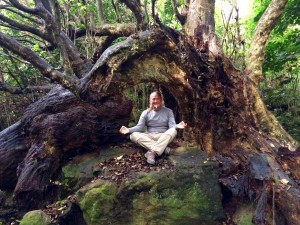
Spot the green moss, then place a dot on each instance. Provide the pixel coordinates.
(143, 181)
(169, 205)
(81, 169)
(36, 217)
(244, 214)
(97, 203)
(167, 198)
(188, 195)
(246, 220)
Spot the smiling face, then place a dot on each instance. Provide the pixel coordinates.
(155, 101)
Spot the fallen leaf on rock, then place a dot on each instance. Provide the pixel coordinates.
(120, 157)
(284, 181)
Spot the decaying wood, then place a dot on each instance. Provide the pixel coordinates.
(290, 160)
(13, 149)
(287, 200)
(59, 126)
(225, 114)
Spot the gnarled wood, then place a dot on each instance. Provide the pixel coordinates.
(13, 149)
(58, 126)
(225, 114)
(287, 200)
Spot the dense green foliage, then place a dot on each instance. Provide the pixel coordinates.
(280, 88)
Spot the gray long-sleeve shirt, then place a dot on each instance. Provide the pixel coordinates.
(155, 121)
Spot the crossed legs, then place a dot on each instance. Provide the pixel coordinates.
(154, 142)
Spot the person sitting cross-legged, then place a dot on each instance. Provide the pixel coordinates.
(160, 128)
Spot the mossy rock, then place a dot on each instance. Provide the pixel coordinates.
(97, 202)
(81, 169)
(190, 194)
(244, 214)
(36, 217)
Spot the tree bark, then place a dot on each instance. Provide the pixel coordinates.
(100, 12)
(57, 127)
(264, 120)
(209, 96)
(259, 39)
(225, 114)
(13, 148)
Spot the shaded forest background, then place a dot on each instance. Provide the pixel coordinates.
(21, 84)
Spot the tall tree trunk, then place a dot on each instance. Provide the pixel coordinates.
(200, 24)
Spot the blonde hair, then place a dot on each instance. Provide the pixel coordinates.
(157, 93)
(160, 96)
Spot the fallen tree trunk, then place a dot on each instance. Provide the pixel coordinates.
(13, 149)
(209, 96)
(287, 201)
(55, 128)
(225, 114)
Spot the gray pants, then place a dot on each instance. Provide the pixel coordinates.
(156, 142)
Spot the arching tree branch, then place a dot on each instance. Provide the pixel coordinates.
(116, 29)
(29, 89)
(47, 70)
(73, 61)
(141, 43)
(23, 27)
(104, 45)
(260, 37)
(21, 7)
(34, 20)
